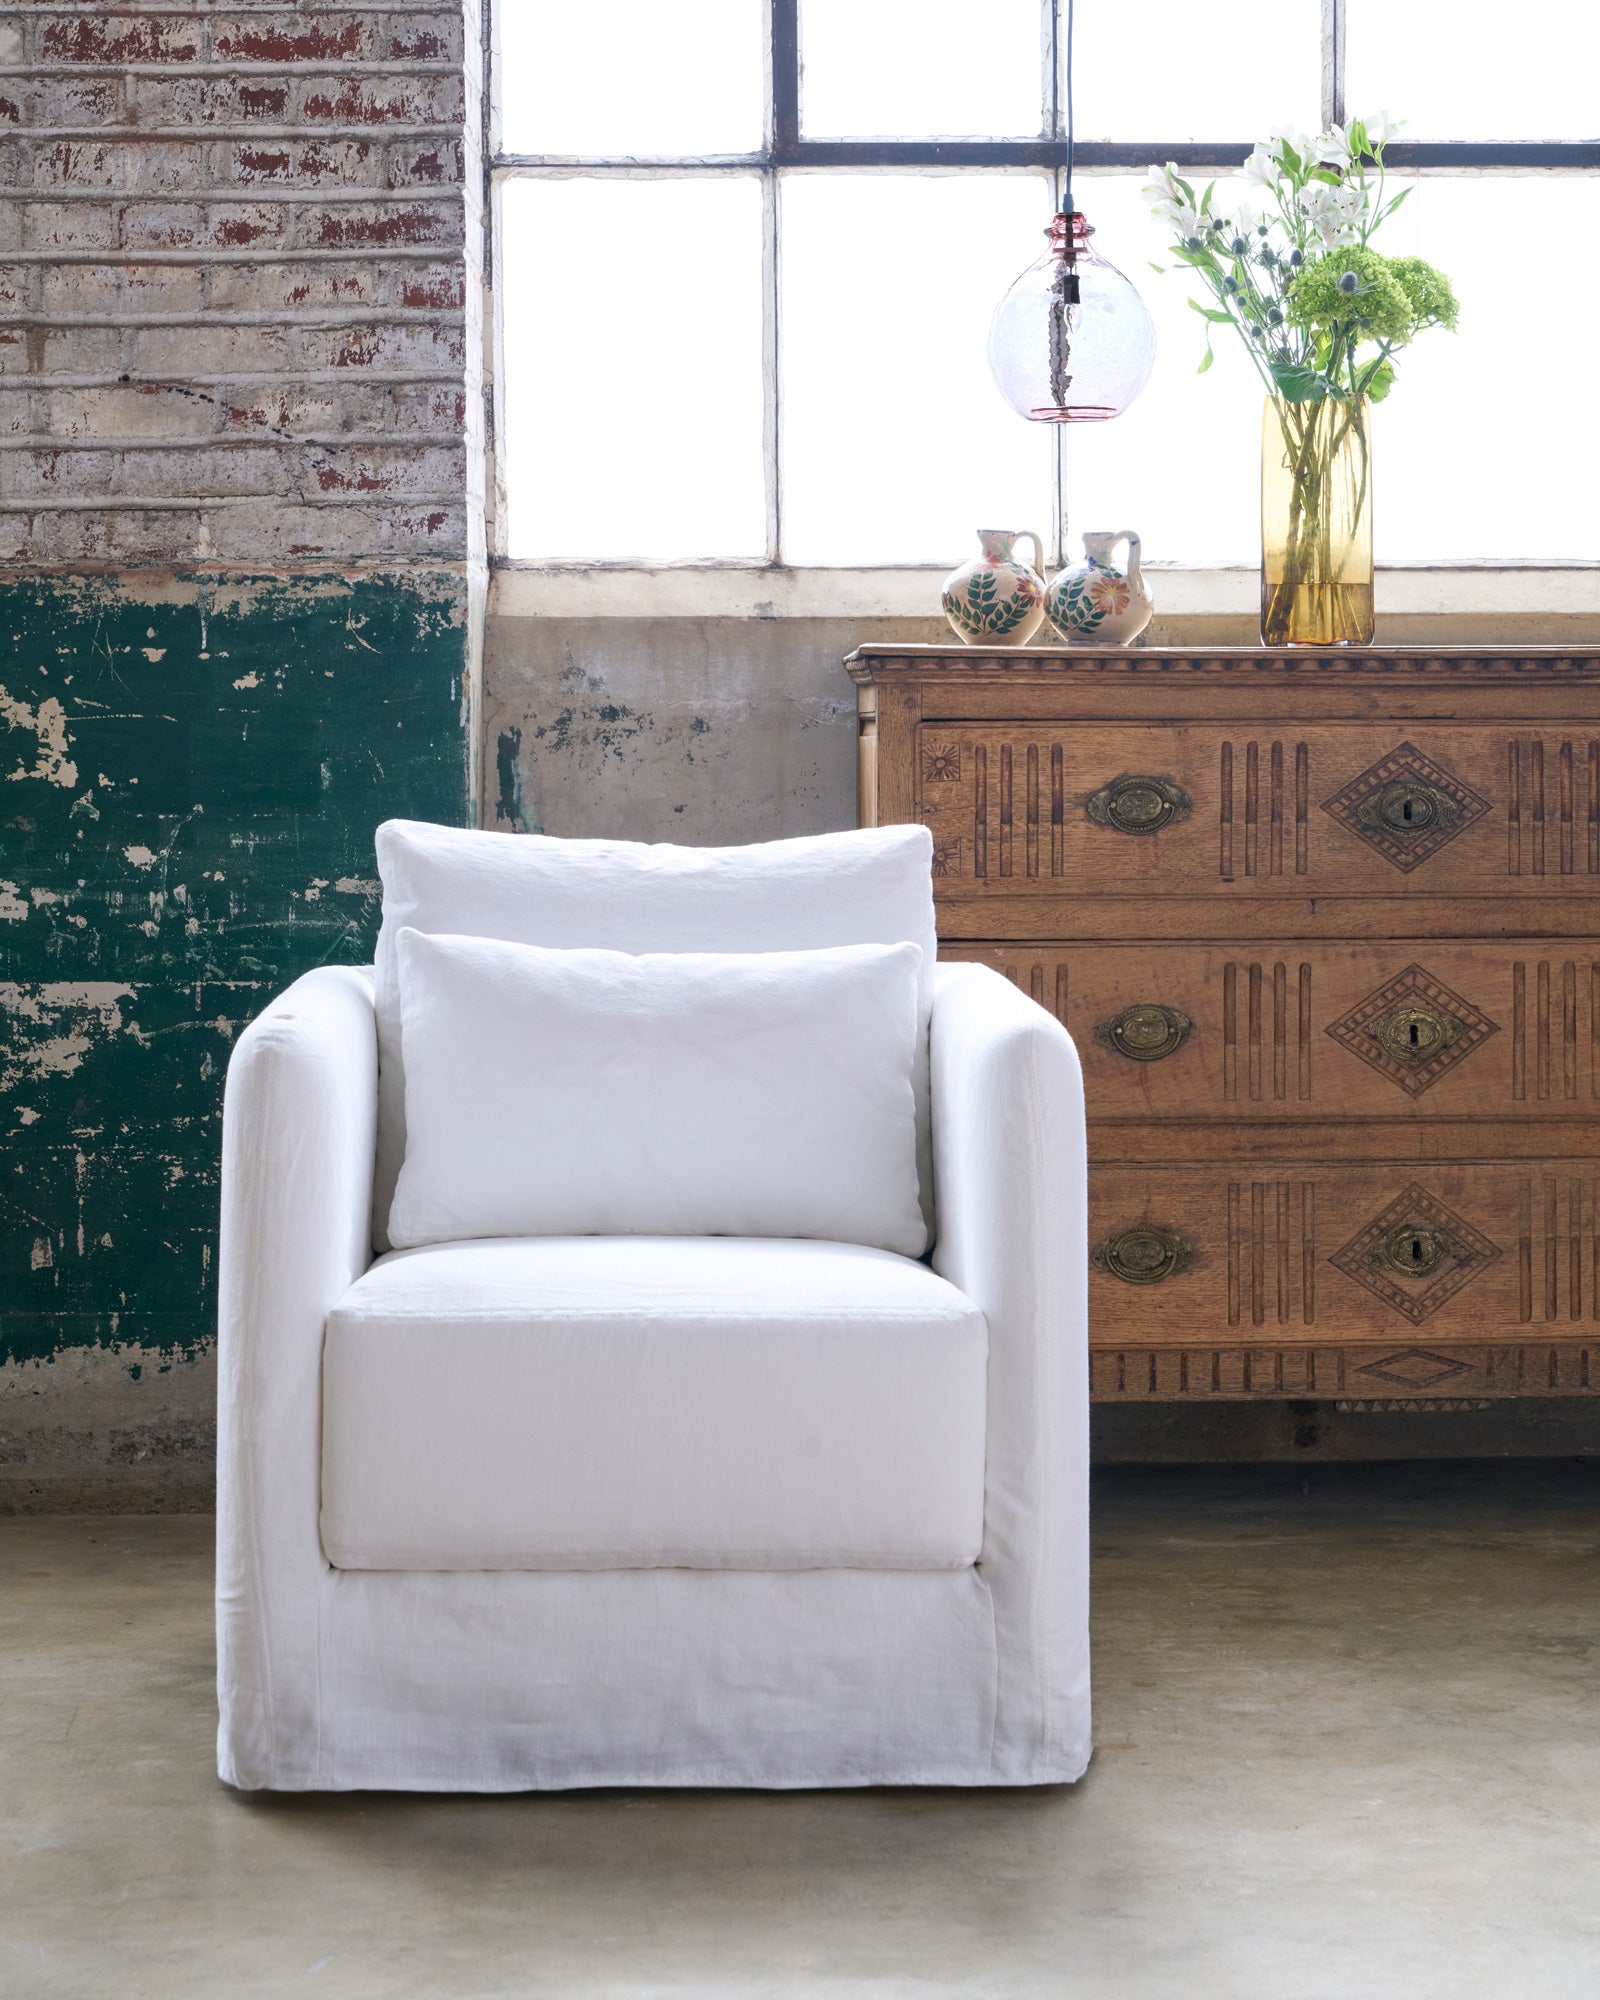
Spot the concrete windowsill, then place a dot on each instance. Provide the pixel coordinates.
(1568, 593)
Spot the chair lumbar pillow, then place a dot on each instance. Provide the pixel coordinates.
(868, 887)
(587, 1092)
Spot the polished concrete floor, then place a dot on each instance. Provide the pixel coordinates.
(1349, 1748)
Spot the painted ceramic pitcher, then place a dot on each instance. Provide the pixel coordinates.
(1096, 604)
(995, 600)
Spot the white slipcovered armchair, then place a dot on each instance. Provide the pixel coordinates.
(499, 1514)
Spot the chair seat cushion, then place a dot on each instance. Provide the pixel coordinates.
(651, 1402)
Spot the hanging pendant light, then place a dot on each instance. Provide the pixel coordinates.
(1071, 342)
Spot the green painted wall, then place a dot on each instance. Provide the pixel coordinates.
(190, 773)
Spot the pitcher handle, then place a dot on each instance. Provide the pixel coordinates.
(1027, 535)
(1135, 549)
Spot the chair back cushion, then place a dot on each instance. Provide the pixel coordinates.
(600, 1093)
(869, 887)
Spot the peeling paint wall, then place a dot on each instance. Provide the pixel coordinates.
(241, 557)
(190, 777)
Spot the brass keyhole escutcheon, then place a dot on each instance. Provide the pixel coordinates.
(1145, 1032)
(1144, 1254)
(1407, 807)
(1415, 1250)
(1135, 804)
(1413, 1034)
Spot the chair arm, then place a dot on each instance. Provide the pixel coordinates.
(1011, 1193)
(299, 1130)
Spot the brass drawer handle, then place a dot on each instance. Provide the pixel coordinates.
(1414, 1034)
(1133, 804)
(1408, 807)
(1144, 1254)
(1145, 1032)
(1415, 1250)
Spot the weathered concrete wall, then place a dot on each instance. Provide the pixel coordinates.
(241, 546)
(698, 730)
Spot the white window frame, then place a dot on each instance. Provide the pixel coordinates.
(768, 586)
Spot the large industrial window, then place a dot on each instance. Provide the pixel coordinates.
(747, 251)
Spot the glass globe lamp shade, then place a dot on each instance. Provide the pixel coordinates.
(1071, 342)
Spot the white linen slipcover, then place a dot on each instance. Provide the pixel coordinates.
(872, 886)
(648, 1402)
(610, 1093)
(508, 1680)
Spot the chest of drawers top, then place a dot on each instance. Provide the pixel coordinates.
(1295, 786)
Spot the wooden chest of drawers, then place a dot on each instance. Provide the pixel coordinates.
(1326, 930)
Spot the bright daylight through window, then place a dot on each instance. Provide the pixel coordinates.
(748, 251)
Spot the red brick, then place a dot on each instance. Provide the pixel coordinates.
(238, 226)
(356, 225)
(42, 101)
(346, 163)
(435, 100)
(67, 473)
(431, 287)
(207, 100)
(426, 163)
(420, 406)
(118, 40)
(271, 287)
(159, 226)
(392, 346)
(167, 168)
(292, 38)
(113, 536)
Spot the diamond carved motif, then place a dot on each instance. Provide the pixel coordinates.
(1407, 807)
(1414, 1255)
(1414, 1030)
(1415, 1368)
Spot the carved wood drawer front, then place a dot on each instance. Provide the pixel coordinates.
(1171, 808)
(1301, 1030)
(1194, 1255)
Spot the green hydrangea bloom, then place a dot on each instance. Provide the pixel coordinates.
(1352, 288)
(1432, 297)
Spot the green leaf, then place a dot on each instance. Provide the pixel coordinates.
(1296, 384)
(1211, 313)
(1206, 363)
(1379, 382)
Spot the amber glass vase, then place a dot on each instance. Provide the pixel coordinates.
(1316, 524)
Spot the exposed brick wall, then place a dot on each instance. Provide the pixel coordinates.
(241, 583)
(237, 246)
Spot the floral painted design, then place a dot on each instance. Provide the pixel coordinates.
(979, 606)
(1086, 596)
(1109, 591)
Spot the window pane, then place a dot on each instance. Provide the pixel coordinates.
(913, 69)
(1485, 446)
(632, 322)
(635, 79)
(1183, 466)
(896, 444)
(1473, 71)
(1136, 72)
